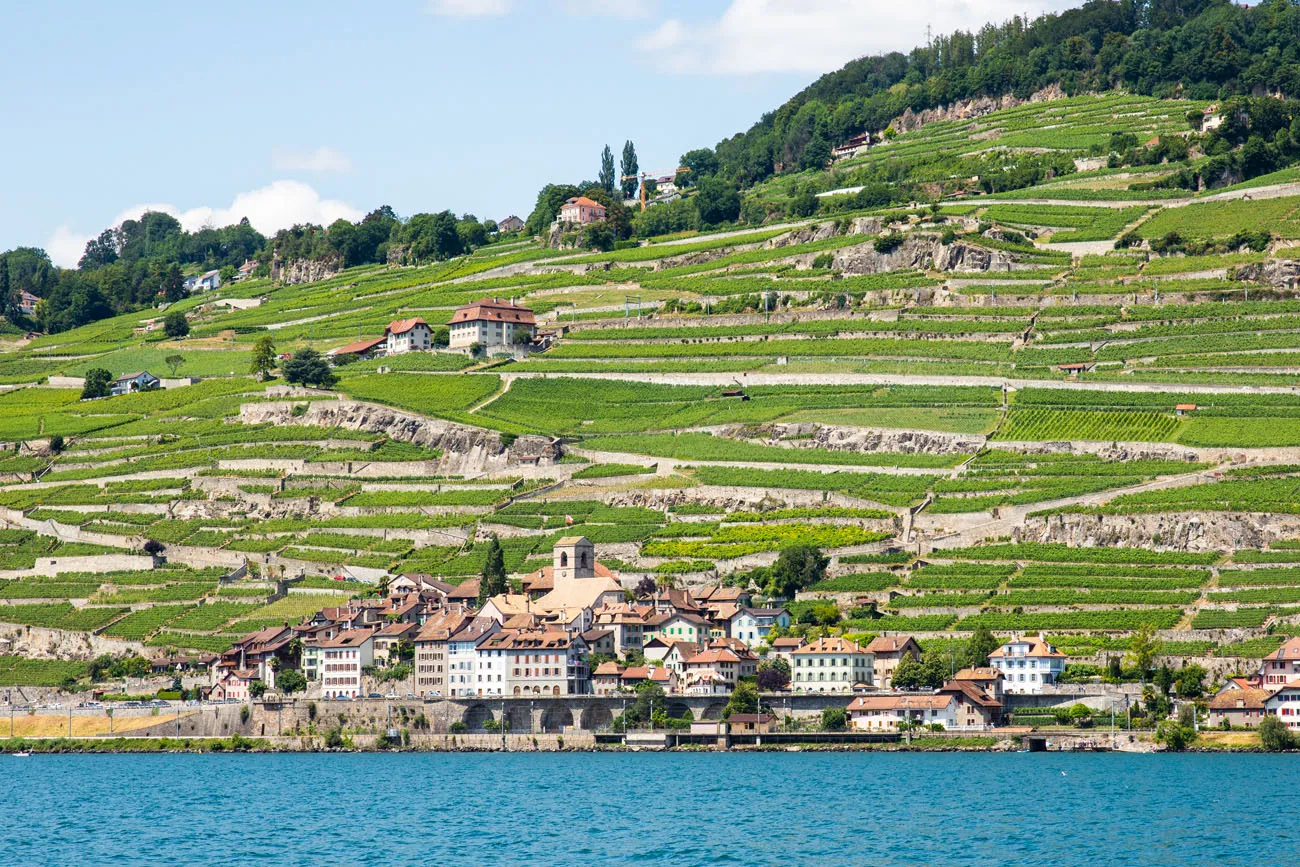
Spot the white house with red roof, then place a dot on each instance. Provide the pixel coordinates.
(1028, 665)
(581, 210)
(491, 323)
(408, 335)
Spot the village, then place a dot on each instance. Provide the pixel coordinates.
(582, 652)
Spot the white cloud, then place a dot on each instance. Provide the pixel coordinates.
(323, 159)
(66, 246)
(815, 36)
(469, 8)
(607, 8)
(276, 206)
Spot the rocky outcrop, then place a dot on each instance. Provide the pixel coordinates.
(857, 439)
(919, 251)
(822, 231)
(1281, 274)
(467, 448)
(970, 109)
(294, 271)
(1203, 531)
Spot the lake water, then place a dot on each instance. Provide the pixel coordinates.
(663, 809)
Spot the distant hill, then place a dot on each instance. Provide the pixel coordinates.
(1187, 49)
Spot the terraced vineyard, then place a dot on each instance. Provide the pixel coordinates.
(978, 426)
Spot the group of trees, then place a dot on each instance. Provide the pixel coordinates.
(142, 262)
(1202, 49)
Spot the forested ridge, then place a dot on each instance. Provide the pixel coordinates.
(1192, 49)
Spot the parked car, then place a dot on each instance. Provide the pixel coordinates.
(375, 695)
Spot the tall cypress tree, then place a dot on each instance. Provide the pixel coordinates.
(630, 168)
(607, 180)
(492, 580)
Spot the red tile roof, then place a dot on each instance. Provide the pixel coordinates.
(401, 326)
(359, 347)
(493, 311)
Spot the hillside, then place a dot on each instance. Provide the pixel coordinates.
(918, 381)
(1028, 363)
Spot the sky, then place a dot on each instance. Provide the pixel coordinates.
(291, 112)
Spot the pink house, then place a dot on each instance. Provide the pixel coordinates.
(581, 210)
(1281, 666)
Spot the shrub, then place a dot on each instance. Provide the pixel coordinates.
(1274, 736)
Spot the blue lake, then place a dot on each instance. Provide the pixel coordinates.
(671, 809)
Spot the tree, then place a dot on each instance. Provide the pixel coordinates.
(718, 201)
(173, 284)
(1164, 679)
(834, 719)
(910, 674)
(744, 699)
(492, 580)
(1274, 736)
(56, 443)
(1174, 736)
(97, 384)
(649, 702)
(176, 325)
(1190, 682)
(174, 361)
(804, 203)
(597, 236)
(797, 567)
(701, 162)
(263, 357)
(629, 170)
(606, 177)
(645, 587)
(152, 547)
(773, 674)
(980, 645)
(1143, 648)
(308, 367)
(290, 681)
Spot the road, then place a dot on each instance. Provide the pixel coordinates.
(718, 379)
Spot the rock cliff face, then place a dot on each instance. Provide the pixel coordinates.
(1281, 274)
(1206, 531)
(467, 449)
(969, 109)
(855, 439)
(919, 251)
(294, 271)
(822, 231)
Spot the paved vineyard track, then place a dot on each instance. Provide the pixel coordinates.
(823, 379)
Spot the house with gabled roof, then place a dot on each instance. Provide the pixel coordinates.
(830, 664)
(886, 652)
(491, 323)
(408, 335)
(1282, 666)
(1028, 664)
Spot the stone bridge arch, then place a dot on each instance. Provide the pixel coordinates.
(556, 718)
(518, 719)
(476, 716)
(596, 717)
(714, 710)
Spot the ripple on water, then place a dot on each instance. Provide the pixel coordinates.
(663, 809)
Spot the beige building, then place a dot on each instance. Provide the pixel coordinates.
(491, 324)
(886, 652)
(431, 652)
(831, 664)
